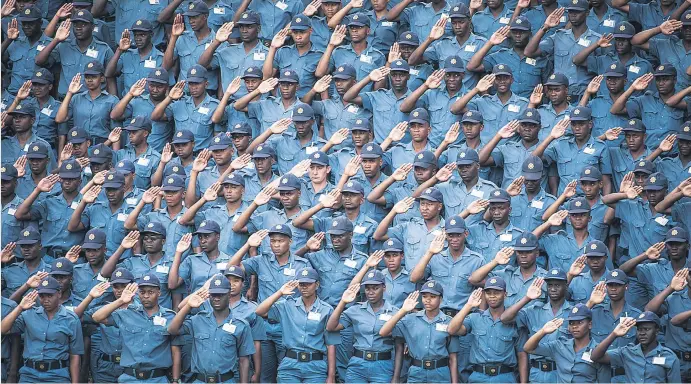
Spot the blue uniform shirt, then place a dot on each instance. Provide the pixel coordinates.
(275, 15)
(140, 265)
(270, 110)
(485, 240)
(129, 11)
(45, 125)
(659, 118)
(527, 214)
(274, 216)
(562, 249)
(93, 114)
(383, 33)
(336, 115)
(640, 367)
(609, 20)
(571, 366)
(570, 159)
(416, 238)
(234, 59)
(290, 151)
(174, 230)
(438, 101)
(427, 339)
(99, 215)
(72, 60)
(492, 341)
(670, 49)
(305, 65)
(230, 241)
(271, 274)
(22, 55)
(449, 46)
(422, 18)
(485, 23)
(303, 330)
(364, 63)
(161, 131)
(366, 325)
(497, 114)
(527, 72)
(453, 275)
(640, 228)
(188, 49)
(516, 285)
(196, 269)
(134, 67)
(385, 109)
(49, 339)
(54, 212)
(564, 46)
(398, 287)
(336, 271)
(197, 119)
(15, 275)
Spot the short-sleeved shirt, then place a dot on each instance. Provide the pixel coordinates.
(145, 165)
(22, 55)
(174, 230)
(527, 72)
(421, 19)
(526, 213)
(582, 286)
(335, 115)
(128, 11)
(453, 275)
(233, 59)
(290, 151)
(603, 119)
(99, 215)
(572, 366)
(675, 170)
(485, 240)
(449, 46)
(640, 228)
(416, 238)
(275, 15)
(161, 131)
(336, 271)
(305, 330)
(305, 65)
(385, 108)
(438, 102)
(516, 285)
(268, 111)
(670, 49)
(640, 367)
(364, 63)
(196, 269)
(563, 249)
(15, 275)
(49, 339)
(274, 216)
(604, 322)
(92, 114)
(607, 23)
(54, 212)
(398, 287)
(230, 241)
(188, 49)
(427, 339)
(271, 274)
(140, 265)
(485, 23)
(45, 125)
(11, 150)
(366, 324)
(659, 118)
(133, 66)
(492, 341)
(497, 114)
(72, 60)
(570, 159)
(510, 156)
(648, 15)
(623, 163)
(197, 119)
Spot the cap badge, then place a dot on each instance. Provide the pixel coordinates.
(416, 113)
(250, 69)
(574, 1)
(524, 240)
(244, 15)
(175, 168)
(687, 128)
(587, 172)
(493, 281)
(39, 74)
(462, 154)
(118, 274)
(3, 169)
(203, 224)
(340, 69)
(497, 193)
(217, 139)
(300, 110)
(430, 285)
(139, 22)
(518, 21)
(217, 283)
(577, 112)
(674, 232)
(661, 68)
(284, 181)
(151, 225)
(613, 66)
(593, 246)
(110, 177)
(500, 66)
(390, 242)
(578, 204)
(555, 272)
(147, 278)
(529, 114)
(27, 11)
(469, 113)
(552, 77)
(35, 148)
(19, 107)
(428, 191)
(653, 179)
(171, 180)
(370, 148)
(298, 20)
(305, 273)
(179, 134)
(92, 236)
(452, 222)
(44, 283)
(420, 156)
(81, 13)
(371, 274)
(90, 65)
(191, 6)
(531, 165)
(286, 73)
(193, 71)
(158, 73)
(279, 226)
(68, 166)
(26, 233)
(641, 316)
(615, 274)
(575, 309)
(409, 36)
(622, 28)
(453, 61)
(350, 184)
(355, 17)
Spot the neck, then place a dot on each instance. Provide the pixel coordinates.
(377, 304)
(146, 50)
(473, 143)
(582, 141)
(496, 312)
(97, 267)
(561, 106)
(637, 153)
(318, 187)
(65, 295)
(617, 307)
(471, 183)
(678, 264)
(292, 211)
(264, 177)
(437, 5)
(548, 8)
(115, 206)
(202, 33)
(529, 270)
(198, 99)
(373, 180)
(684, 158)
(305, 137)
(38, 176)
(419, 146)
(601, 10)
(282, 259)
(400, 91)
(288, 102)
(433, 222)
(173, 210)
(531, 194)
(152, 310)
(213, 254)
(43, 99)
(34, 38)
(233, 206)
(456, 253)
(431, 314)
(649, 347)
(234, 299)
(141, 148)
(504, 97)
(580, 234)
(596, 275)
(308, 301)
(359, 47)
(500, 226)
(83, 44)
(33, 263)
(155, 257)
(250, 45)
(556, 304)
(25, 136)
(94, 93)
(352, 213)
(304, 48)
(582, 342)
(222, 314)
(578, 30)
(7, 199)
(461, 39)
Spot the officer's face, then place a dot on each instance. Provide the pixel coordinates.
(460, 26)
(360, 138)
(41, 90)
(357, 33)
(423, 174)
(393, 260)
(65, 281)
(499, 212)
(456, 240)
(236, 285)
(399, 80)
(81, 149)
(263, 164)
(646, 333)
(581, 129)
(249, 33)
(374, 292)
(580, 328)
(252, 83)
(640, 178)
(219, 301)
(472, 130)
(341, 242)
(520, 37)
(153, 243)
(406, 50)
(526, 259)
(556, 289)
(665, 84)
(198, 22)
(379, 5)
(96, 256)
(655, 196)
(557, 93)
(622, 45)
(529, 131)
(209, 241)
(596, 263)
(38, 166)
(577, 17)
(468, 172)
(331, 9)
(174, 198)
(49, 301)
(430, 301)
(494, 4)
(82, 30)
(616, 291)
(634, 140)
(240, 141)
(287, 89)
(138, 137)
(595, 3)
(308, 290)
(7, 187)
(98, 167)
(684, 147)
(31, 28)
(142, 39)
(615, 84)
(118, 288)
(70, 185)
(371, 167)
(352, 200)
(532, 186)
(157, 91)
(289, 199)
(686, 32)
(677, 250)
(222, 156)
(184, 150)
(301, 38)
(149, 296)
(31, 251)
(22, 123)
(280, 244)
(579, 220)
(419, 131)
(318, 173)
(591, 188)
(430, 209)
(197, 89)
(115, 195)
(503, 83)
(494, 297)
(232, 192)
(343, 85)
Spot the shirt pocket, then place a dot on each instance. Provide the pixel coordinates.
(562, 58)
(413, 245)
(436, 114)
(384, 110)
(565, 166)
(202, 341)
(58, 335)
(314, 327)
(502, 341)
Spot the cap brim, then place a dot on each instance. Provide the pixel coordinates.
(653, 188)
(454, 70)
(262, 156)
(370, 155)
(373, 282)
(422, 164)
(614, 74)
(302, 119)
(498, 200)
(676, 240)
(572, 8)
(337, 231)
(306, 280)
(77, 140)
(132, 128)
(155, 80)
(300, 27)
(92, 72)
(647, 321)
(533, 121)
(151, 231)
(589, 178)
(357, 24)
(92, 245)
(663, 74)
(40, 80)
(465, 162)
(646, 171)
(100, 160)
(616, 281)
(47, 290)
(595, 254)
(497, 287)
(432, 291)
(236, 274)
(554, 278)
(683, 136)
(532, 176)
(81, 19)
(181, 141)
(120, 281)
(251, 76)
(287, 80)
(421, 121)
(28, 18)
(196, 79)
(578, 118)
(631, 129)
(578, 317)
(624, 35)
(555, 83)
(406, 70)
(147, 284)
(459, 16)
(524, 248)
(346, 190)
(22, 112)
(471, 120)
(171, 188)
(36, 156)
(456, 230)
(70, 175)
(7, 177)
(429, 198)
(141, 29)
(113, 185)
(520, 28)
(219, 290)
(232, 183)
(192, 13)
(392, 250)
(204, 231)
(503, 73)
(405, 42)
(342, 76)
(26, 242)
(218, 147)
(578, 210)
(279, 233)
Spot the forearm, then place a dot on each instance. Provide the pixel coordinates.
(131, 221)
(453, 367)
(456, 326)
(656, 303)
(187, 218)
(677, 99)
(581, 57)
(664, 205)
(614, 198)
(509, 315)
(17, 295)
(323, 65)
(431, 182)
(418, 55)
(409, 102)
(459, 106)
(532, 49)
(75, 223)
(396, 11)
(244, 218)
(418, 273)
(237, 257)
(681, 319)
(534, 341)
(354, 91)
(619, 106)
(10, 318)
(475, 62)
(263, 308)
(380, 233)
(43, 56)
(584, 99)
(112, 262)
(75, 364)
(118, 111)
(642, 37)
(24, 210)
(208, 54)
(485, 154)
(541, 229)
(388, 327)
(169, 55)
(542, 147)
(378, 191)
(480, 274)
(599, 353)
(61, 115)
(84, 305)
(159, 111)
(332, 324)
(244, 369)
(331, 360)
(552, 209)
(101, 315)
(242, 103)
(174, 279)
(339, 16)
(191, 193)
(112, 66)
(178, 320)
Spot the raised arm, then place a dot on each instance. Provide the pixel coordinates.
(336, 39)
(638, 85)
(456, 326)
(437, 32)
(408, 306)
(401, 207)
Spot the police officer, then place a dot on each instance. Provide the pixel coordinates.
(488, 237)
(531, 204)
(398, 284)
(581, 281)
(34, 261)
(144, 157)
(11, 227)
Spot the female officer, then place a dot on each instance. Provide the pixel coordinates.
(53, 339)
(432, 347)
(310, 349)
(372, 357)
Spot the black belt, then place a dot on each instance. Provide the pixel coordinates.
(304, 357)
(372, 355)
(215, 378)
(684, 355)
(619, 371)
(146, 374)
(544, 365)
(111, 358)
(47, 365)
(493, 369)
(431, 364)
(449, 311)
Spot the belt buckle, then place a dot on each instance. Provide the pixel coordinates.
(211, 380)
(545, 367)
(369, 356)
(686, 356)
(493, 371)
(302, 356)
(140, 375)
(117, 359)
(427, 364)
(42, 367)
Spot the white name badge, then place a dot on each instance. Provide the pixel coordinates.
(203, 110)
(609, 23)
(513, 108)
(26, 147)
(154, 2)
(689, 171)
(321, 198)
(11, 211)
(46, 111)
(634, 69)
(350, 263)
(235, 218)
(222, 265)
(122, 217)
(504, 20)
(207, 45)
(659, 360)
(589, 150)
(219, 11)
(385, 317)
(259, 56)
(95, 30)
(69, 308)
(470, 48)
(149, 64)
(131, 200)
(387, 23)
(289, 272)
(662, 220)
(586, 356)
(143, 161)
(228, 327)
(282, 6)
(3, 106)
(359, 229)
(537, 204)
(315, 316)
(563, 19)
(40, 47)
(162, 269)
(442, 327)
(477, 193)
(162, 321)
(101, 278)
(74, 205)
(87, 170)
(506, 237)
(366, 59)
(414, 72)
(92, 53)
(530, 61)
(583, 42)
(353, 109)
(310, 150)
(436, 232)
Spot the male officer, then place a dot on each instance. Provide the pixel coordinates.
(488, 237)
(17, 274)
(14, 146)
(144, 157)
(11, 227)
(582, 282)
(532, 202)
